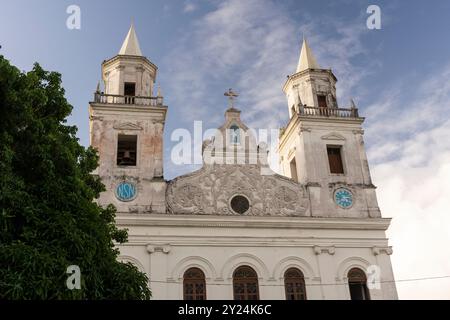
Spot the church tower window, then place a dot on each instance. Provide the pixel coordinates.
(234, 134)
(194, 285)
(294, 284)
(322, 101)
(293, 167)
(245, 284)
(126, 150)
(129, 92)
(335, 160)
(357, 283)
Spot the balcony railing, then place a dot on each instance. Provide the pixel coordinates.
(328, 112)
(135, 100)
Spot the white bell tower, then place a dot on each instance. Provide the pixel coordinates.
(322, 145)
(126, 128)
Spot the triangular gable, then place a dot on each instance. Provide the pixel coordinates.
(127, 126)
(333, 136)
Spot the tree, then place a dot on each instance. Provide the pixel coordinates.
(48, 217)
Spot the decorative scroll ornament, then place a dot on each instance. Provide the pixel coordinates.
(211, 189)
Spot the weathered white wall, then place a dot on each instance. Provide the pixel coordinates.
(121, 69)
(165, 246)
(107, 122)
(306, 139)
(307, 85)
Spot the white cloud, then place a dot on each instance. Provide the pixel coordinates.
(189, 7)
(411, 152)
(253, 45)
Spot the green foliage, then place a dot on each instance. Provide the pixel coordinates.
(48, 217)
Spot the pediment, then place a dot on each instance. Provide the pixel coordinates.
(333, 136)
(209, 191)
(127, 126)
(230, 122)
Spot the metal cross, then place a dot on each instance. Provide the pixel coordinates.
(231, 95)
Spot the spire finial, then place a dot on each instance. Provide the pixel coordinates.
(130, 45)
(231, 95)
(307, 59)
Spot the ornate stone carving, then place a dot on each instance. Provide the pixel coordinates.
(379, 250)
(209, 190)
(319, 250)
(164, 248)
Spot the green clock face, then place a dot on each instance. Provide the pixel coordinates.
(343, 198)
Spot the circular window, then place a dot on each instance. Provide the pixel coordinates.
(126, 191)
(239, 204)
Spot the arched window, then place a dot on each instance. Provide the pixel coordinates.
(357, 283)
(245, 284)
(234, 134)
(194, 285)
(294, 284)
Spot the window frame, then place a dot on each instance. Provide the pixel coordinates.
(232, 128)
(128, 98)
(341, 155)
(194, 281)
(358, 282)
(246, 281)
(298, 282)
(291, 161)
(117, 151)
(324, 99)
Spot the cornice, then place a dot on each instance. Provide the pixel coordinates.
(164, 243)
(170, 220)
(119, 57)
(126, 108)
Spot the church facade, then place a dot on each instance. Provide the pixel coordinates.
(234, 229)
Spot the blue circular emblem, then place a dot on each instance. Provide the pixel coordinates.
(343, 198)
(126, 191)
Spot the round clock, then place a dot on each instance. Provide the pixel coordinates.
(126, 191)
(343, 198)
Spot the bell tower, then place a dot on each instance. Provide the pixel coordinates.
(322, 145)
(126, 127)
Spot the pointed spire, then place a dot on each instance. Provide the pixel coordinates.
(352, 104)
(307, 60)
(130, 45)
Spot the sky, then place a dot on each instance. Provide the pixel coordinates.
(399, 77)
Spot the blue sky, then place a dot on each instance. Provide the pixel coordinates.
(398, 76)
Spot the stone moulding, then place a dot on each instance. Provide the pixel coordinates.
(234, 221)
(127, 126)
